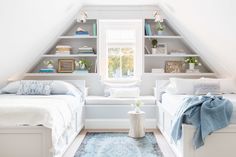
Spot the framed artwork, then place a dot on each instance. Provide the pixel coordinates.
(66, 65)
(174, 67)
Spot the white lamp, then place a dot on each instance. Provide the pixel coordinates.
(157, 16)
(82, 16)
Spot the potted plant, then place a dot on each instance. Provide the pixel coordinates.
(154, 46)
(49, 64)
(192, 61)
(83, 64)
(160, 28)
(138, 103)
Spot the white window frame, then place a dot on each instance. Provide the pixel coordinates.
(105, 25)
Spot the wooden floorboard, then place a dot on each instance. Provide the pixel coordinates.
(165, 148)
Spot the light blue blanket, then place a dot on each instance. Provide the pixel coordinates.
(207, 113)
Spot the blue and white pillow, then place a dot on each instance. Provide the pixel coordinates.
(34, 87)
(206, 88)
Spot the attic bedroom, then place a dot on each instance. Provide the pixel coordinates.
(137, 78)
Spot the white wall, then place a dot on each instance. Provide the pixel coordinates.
(210, 26)
(28, 28)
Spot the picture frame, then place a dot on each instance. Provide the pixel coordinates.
(174, 67)
(162, 48)
(66, 65)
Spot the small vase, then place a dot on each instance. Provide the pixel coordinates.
(191, 66)
(137, 110)
(50, 66)
(159, 32)
(154, 50)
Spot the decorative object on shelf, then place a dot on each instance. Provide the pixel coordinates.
(63, 49)
(174, 67)
(49, 64)
(47, 70)
(138, 103)
(148, 30)
(83, 66)
(154, 46)
(147, 51)
(161, 70)
(94, 29)
(192, 61)
(66, 65)
(177, 52)
(192, 71)
(81, 32)
(82, 16)
(162, 48)
(160, 22)
(86, 50)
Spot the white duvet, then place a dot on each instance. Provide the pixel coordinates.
(54, 112)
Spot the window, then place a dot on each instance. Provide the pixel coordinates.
(120, 49)
(120, 62)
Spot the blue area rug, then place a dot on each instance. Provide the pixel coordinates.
(118, 145)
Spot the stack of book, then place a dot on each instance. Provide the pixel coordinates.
(81, 32)
(47, 70)
(86, 50)
(63, 49)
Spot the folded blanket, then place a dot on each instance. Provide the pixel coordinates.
(207, 113)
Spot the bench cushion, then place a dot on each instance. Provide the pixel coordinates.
(101, 100)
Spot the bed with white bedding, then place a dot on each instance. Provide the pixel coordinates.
(39, 125)
(223, 139)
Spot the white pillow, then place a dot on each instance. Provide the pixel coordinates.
(108, 86)
(11, 88)
(124, 92)
(64, 88)
(181, 86)
(227, 85)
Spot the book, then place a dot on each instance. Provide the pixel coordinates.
(47, 70)
(94, 29)
(148, 31)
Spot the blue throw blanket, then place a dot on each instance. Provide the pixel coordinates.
(206, 113)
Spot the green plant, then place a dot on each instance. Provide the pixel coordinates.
(138, 103)
(154, 43)
(192, 60)
(48, 62)
(160, 26)
(84, 64)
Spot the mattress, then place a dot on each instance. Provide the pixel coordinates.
(171, 103)
(54, 112)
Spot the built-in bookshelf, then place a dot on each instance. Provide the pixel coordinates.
(171, 47)
(75, 41)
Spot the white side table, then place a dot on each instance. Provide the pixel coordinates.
(137, 129)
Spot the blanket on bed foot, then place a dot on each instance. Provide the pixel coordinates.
(207, 113)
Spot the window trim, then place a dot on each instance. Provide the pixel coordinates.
(137, 25)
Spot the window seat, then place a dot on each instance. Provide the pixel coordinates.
(102, 100)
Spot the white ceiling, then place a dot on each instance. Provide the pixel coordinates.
(119, 2)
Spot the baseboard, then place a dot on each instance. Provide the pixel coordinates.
(115, 123)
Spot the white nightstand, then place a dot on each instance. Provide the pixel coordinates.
(137, 129)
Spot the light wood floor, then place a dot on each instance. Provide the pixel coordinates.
(165, 148)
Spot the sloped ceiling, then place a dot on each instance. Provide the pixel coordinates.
(210, 27)
(28, 28)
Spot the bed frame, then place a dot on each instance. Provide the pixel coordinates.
(218, 144)
(35, 141)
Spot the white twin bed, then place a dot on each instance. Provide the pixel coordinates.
(40, 126)
(218, 144)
